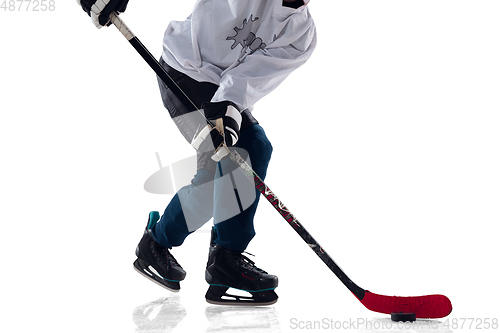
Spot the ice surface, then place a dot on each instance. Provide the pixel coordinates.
(167, 314)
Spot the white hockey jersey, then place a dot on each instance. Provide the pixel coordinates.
(246, 47)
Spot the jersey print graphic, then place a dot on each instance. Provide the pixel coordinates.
(246, 38)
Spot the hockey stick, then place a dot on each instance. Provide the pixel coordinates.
(428, 306)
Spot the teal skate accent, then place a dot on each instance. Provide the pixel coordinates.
(167, 279)
(250, 291)
(153, 219)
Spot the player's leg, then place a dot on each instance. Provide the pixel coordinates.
(236, 232)
(227, 266)
(192, 206)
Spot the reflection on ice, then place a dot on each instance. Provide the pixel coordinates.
(239, 319)
(167, 315)
(162, 315)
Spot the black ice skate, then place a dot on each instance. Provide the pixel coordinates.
(229, 269)
(156, 262)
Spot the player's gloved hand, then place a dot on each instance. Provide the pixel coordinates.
(99, 10)
(223, 130)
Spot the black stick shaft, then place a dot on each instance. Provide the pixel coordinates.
(150, 59)
(160, 71)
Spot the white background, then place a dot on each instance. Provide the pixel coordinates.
(386, 147)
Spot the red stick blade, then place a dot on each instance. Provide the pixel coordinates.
(428, 306)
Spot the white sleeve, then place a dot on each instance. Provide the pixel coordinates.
(261, 72)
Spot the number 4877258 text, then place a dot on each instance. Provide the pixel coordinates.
(27, 5)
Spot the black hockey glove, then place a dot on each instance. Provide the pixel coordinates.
(222, 132)
(99, 10)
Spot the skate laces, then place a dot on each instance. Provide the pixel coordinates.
(170, 257)
(248, 263)
(165, 254)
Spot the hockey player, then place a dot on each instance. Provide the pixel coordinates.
(225, 56)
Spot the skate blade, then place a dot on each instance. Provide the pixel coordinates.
(172, 286)
(244, 303)
(217, 295)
